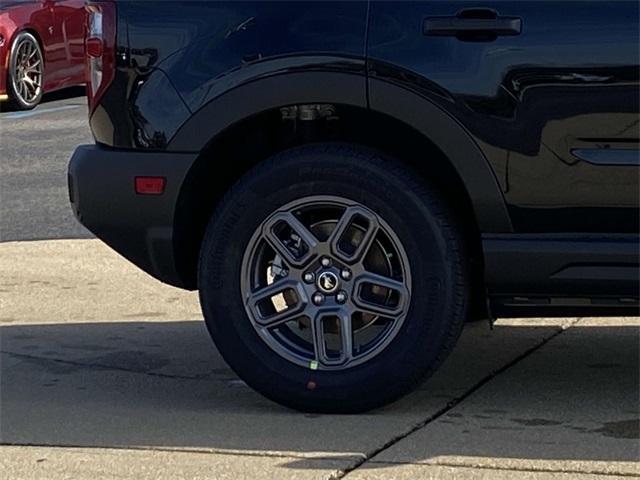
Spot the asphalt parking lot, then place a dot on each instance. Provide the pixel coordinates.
(106, 373)
(34, 149)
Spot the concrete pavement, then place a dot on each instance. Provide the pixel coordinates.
(568, 407)
(106, 373)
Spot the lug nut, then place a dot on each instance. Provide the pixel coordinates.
(318, 298)
(341, 297)
(326, 262)
(346, 274)
(309, 277)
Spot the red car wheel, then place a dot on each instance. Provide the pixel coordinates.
(26, 67)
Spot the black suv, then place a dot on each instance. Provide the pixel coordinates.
(347, 183)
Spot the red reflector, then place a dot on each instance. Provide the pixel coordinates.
(150, 185)
(94, 47)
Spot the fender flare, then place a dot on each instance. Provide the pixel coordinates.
(265, 94)
(291, 88)
(455, 142)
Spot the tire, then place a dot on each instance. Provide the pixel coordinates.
(429, 261)
(24, 95)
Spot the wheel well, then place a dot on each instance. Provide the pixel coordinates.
(235, 151)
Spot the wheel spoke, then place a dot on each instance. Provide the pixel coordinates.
(395, 292)
(24, 52)
(290, 238)
(320, 338)
(32, 67)
(23, 90)
(346, 336)
(349, 252)
(31, 87)
(261, 302)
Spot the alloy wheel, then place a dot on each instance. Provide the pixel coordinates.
(326, 283)
(27, 71)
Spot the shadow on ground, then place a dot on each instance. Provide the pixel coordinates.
(162, 384)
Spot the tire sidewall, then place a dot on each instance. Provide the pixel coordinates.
(309, 171)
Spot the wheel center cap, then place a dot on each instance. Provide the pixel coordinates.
(328, 282)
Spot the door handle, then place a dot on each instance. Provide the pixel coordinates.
(473, 24)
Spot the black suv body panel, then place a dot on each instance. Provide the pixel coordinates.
(540, 123)
(568, 81)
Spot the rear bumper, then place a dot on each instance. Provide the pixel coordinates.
(139, 227)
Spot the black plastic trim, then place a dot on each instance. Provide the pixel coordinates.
(349, 89)
(139, 227)
(517, 307)
(587, 265)
(457, 145)
(265, 94)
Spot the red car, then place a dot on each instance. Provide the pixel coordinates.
(41, 48)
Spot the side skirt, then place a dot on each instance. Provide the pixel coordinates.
(556, 275)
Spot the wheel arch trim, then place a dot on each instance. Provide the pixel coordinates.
(394, 101)
(265, 94)
(446, 133)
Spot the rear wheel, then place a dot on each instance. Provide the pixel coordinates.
(331, 280)
(26, 72)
